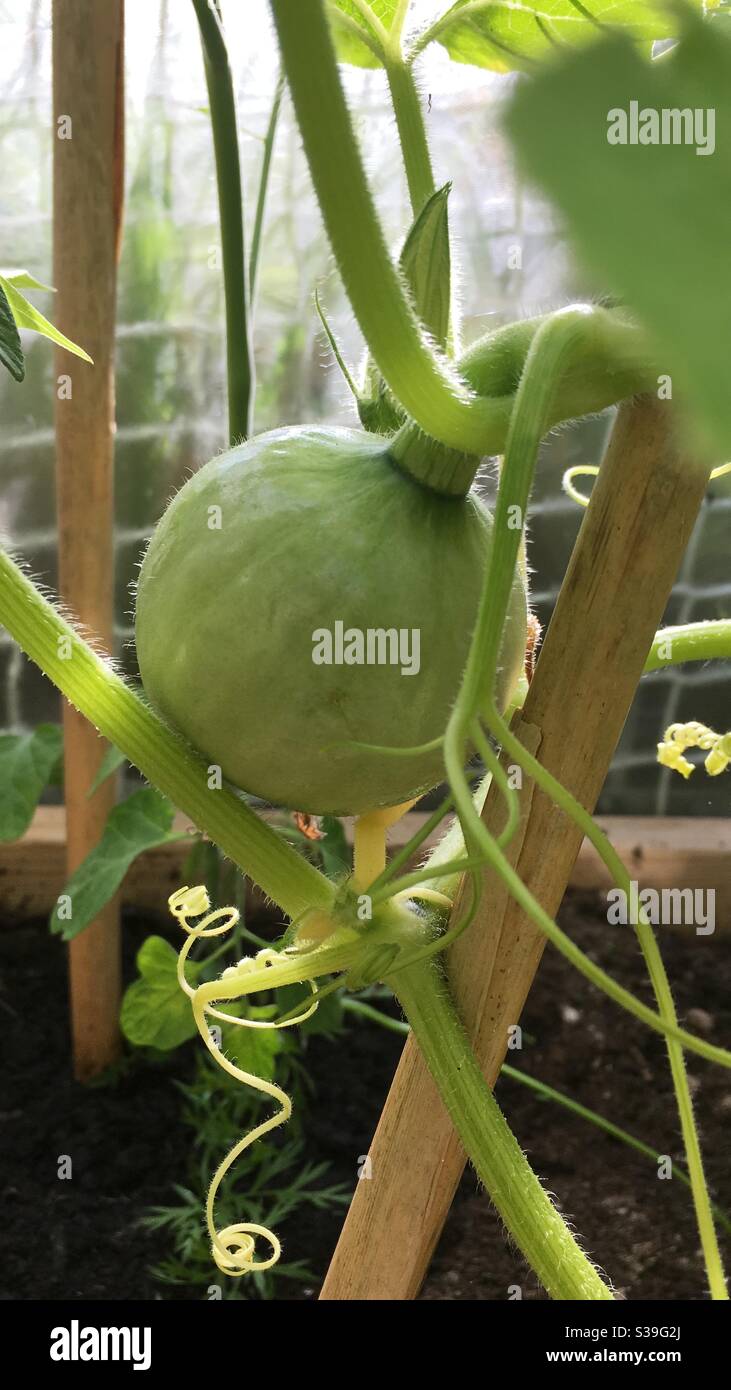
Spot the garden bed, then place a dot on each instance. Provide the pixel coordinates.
(128, 1144)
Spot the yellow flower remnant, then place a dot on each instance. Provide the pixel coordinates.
(680, 737)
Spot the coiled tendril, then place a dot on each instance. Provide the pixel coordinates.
(233, 1247)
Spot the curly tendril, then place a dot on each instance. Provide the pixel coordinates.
(233, 1247)
(591, 470)
(678, 738)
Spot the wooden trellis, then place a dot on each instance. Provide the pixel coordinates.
(87, 202)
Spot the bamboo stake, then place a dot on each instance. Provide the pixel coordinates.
(642, 511)
(88, 180)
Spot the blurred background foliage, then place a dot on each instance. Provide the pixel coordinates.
(170, 353)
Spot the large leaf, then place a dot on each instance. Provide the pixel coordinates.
(651, 221)
(11, 352)
(354, 39)
(142, 822)
(510, 36)
(27, 316)
(27, 764)
(155, 1011)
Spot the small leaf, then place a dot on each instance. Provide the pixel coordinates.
(141, 822)
(651, 220)
(426, 265)
(11, 352)
(27, 763)
(510, 37)
(155, 1011)
(360, 49)
(23, 280)
(27, 316)
(109, 764)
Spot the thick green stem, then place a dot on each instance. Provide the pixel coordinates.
(172, 765)
(530, 1216)
(690, 642)
(412, 132)
(608, 362)
(219, 81)
(424, 384)
(660, 985)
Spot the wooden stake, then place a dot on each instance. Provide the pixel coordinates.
(643, 508)
(87, 188)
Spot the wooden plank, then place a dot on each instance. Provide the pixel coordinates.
(87, 181)
(643, 507)
(660, 852)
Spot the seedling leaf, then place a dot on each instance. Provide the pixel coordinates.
(142, 822)
(27, 763)
(155, 1011)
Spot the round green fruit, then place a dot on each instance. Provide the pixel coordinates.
(301, 594)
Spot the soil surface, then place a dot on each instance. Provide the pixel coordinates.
(79, 1239)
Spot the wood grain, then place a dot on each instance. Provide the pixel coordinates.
(87, 179)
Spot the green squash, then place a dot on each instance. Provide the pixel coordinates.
(298, 546)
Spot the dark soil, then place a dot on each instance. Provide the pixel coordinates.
(79, 1238)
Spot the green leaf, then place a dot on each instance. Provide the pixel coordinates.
(360, 49)
(425, 262)
(507, 36)
(27, 316)
(651, 221)
(23, 280)
(11, 352)
(155, 1011)
(27, 762)
(141, 822)
(111, 761)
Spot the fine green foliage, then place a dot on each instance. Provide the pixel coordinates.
(27, 765)
(217, 1111)
(155, 1012)
(636, 210)
(143, 821)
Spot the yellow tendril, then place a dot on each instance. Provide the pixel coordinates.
(679, 737)
(591, 470)
(233, 1247)
(580, 470)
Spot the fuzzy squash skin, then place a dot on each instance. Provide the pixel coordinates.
(317, 525)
